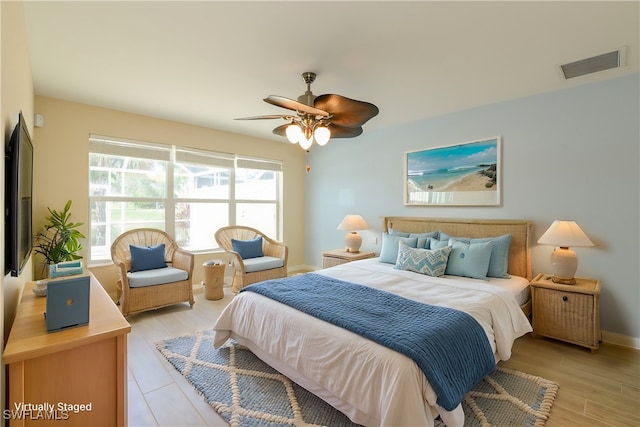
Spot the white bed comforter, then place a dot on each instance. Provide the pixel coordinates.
(371, 384)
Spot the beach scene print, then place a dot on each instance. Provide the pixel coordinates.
(464, 167)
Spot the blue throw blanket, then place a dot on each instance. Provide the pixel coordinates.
(448, 345)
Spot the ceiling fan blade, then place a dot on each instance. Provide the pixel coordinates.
(344, 132)
(345, 111)
(281, 130)
(274, 116)
(290, 104)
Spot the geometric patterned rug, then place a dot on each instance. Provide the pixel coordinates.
(509, 398)
(245, 391)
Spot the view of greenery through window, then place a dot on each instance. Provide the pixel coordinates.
(187, 193)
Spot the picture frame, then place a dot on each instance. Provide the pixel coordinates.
(464, 174)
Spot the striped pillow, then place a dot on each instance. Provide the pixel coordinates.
(423, 261)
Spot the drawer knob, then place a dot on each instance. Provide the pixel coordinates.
(565, 298)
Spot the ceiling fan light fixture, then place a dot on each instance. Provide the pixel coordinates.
(294, 133)
(305, 143)
(314, 115)
(322, 134)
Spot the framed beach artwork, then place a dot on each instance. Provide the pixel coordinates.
(466, 174)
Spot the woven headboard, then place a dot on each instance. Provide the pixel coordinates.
(520, 230)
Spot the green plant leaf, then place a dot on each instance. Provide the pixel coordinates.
(60, 239)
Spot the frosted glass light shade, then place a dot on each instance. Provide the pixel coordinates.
(564, 261)
(293, 133)
(322, 135)
(304, 142)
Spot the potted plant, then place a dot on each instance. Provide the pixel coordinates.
(59, 241)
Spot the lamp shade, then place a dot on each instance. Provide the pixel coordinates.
(353, 223)
(565, 234)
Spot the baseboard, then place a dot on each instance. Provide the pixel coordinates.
(622, 340)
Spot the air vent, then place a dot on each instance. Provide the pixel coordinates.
(603, 62)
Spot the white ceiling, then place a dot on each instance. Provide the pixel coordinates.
(208, 62)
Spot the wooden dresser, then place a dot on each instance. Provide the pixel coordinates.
(75, 377)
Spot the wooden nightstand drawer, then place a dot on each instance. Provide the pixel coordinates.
(331, 262)
(567, 312)
(565, 315)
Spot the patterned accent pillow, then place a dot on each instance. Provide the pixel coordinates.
(424, 261)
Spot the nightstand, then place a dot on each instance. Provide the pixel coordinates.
(569, 313)
(340, 256)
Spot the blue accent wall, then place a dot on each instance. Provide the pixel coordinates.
(571, 154)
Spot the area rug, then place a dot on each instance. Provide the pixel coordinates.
(247, 392)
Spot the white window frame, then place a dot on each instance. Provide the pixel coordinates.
(172, 154)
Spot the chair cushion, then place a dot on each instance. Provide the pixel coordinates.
(157, 276)
(147, 257)
(262, 263)
(248, 248)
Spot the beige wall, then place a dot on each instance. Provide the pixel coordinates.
(16, 94)
(61, 171)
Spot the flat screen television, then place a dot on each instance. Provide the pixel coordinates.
(18, 193)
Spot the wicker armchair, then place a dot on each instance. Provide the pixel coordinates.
(142, 298)
(270, 248)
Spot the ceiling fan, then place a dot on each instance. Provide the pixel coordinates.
(320, 117)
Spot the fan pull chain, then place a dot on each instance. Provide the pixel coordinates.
(308, 167)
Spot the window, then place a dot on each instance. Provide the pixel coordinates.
(186, 192)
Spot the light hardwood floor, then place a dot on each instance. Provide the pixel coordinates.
(596, 389)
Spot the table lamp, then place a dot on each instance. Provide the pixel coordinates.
(351, 223)
(564, 261)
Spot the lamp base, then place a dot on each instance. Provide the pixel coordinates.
(352, 242)
(564, 264)
(563, 280)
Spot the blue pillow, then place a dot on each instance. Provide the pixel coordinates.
(147, 257)
(398, 233)
(248, 248)
(499, 262)
(469, 259)
(438, 244)
(389, 251)
(423, 261)
(424, 238)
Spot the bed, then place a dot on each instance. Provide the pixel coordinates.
(371, 383)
